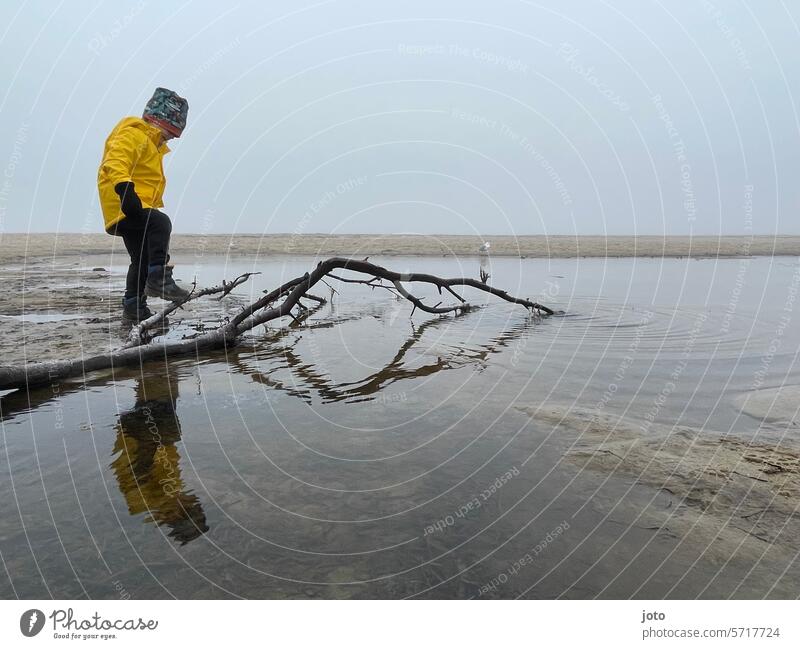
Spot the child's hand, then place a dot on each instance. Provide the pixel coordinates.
(129, 200)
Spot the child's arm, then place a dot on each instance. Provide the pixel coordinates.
(121, 157)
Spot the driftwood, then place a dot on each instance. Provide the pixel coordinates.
(275, 304)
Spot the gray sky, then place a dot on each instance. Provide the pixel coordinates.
(626, 117)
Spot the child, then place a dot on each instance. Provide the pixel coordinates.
(131, 185)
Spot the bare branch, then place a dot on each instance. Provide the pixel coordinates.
(229, 286)
(458, 297)
(137, 334)
(428, 309)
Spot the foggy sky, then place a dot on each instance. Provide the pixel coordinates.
(509, 117)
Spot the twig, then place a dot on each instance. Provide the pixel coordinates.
(418, 304)
(333, 290)
(137, 334)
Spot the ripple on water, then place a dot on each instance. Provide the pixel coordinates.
(617, 327)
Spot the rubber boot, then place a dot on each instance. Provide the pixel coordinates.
(160, 284)
(135, 309)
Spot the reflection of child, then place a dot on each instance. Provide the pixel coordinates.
(148, 465)
(131, 184)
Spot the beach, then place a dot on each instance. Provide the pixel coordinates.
(644, 443)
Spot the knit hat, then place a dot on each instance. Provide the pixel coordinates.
(167, 110)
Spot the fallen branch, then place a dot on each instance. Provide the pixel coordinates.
(137, 336)
(259, 312)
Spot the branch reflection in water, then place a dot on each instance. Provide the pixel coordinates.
(310, 381)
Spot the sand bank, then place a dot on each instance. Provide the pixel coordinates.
(16, 247)
(740, 493)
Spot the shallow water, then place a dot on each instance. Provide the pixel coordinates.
(367, 454)
(38, 318)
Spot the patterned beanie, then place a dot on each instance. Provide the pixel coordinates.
(167, 110)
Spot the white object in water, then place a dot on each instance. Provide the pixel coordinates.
(485, 247)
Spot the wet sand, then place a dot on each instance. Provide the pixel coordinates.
(738, 494)
(17, 247)
(70, 307)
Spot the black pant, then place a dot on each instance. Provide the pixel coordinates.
(146, 239)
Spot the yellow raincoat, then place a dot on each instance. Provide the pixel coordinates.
(133, 153)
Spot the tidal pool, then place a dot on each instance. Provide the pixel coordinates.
(366, 454)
